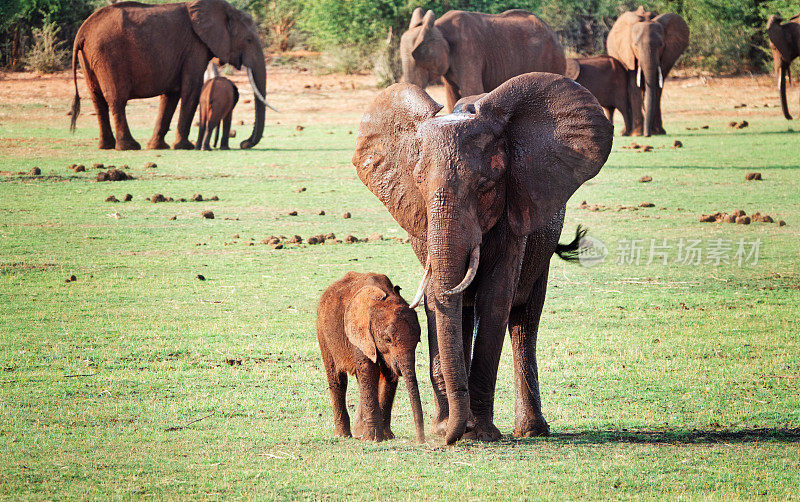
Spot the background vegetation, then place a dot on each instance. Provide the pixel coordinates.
(727, 35)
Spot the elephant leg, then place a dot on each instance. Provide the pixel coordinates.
(190, 97)
(125, 140)
(442, 409)
(337, 386)
(166, 109)
(386, 391)
(209, 131)
(200, 134)
(226, 131)
(658, 126)
(636, 102)
(625, 110)
(524, 326)
(609, 111)
(369, 403)
(101, 108)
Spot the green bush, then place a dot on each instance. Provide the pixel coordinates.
(47, 55)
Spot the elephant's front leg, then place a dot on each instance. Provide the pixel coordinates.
(387, 387)
(524, 326)
(166, 109)
(190, 97)
(369, 416)
(636, 98)
(496, 288)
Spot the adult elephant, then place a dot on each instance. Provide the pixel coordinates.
(785, 43)
(648, 46)
(474, 53)
(482, 193)
(132, 50)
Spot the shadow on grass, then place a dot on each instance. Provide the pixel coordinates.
(667, 437)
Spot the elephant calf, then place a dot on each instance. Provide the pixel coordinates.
(217, 100)
(365, 328)
(607, 79)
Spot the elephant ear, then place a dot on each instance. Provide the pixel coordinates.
(387, 150)
(781, 38)
(573, 69)
(676, 39)
(357, 320)
(556, 138)
(618, 42)
(210, 21)
(431, 50)
(416, 18)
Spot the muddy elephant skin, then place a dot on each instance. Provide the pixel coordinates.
(365, 328)
(131, 50)
(217, 100)
(482, 193)
(607, 80)
(474, 53)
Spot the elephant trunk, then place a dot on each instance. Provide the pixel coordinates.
(257, 71)
(782, 89)
(449, 248)
(652, 97)
(410, 375)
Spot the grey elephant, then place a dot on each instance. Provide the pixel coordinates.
(649, 46)
(785, 44)
(482, 194)
(132, 50)
(607, 79)
(474, 53)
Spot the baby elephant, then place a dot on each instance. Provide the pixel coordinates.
(607, 79)
(365, 328)
(217, 99)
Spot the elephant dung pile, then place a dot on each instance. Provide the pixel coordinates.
(739, 217)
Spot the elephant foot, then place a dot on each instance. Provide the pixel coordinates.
(183, 144)
(483, 430)
(157, 144)
(343, 432)
(439, 427)
(107, 144)
(127, 144)
(224, 147)
(387, 433)
(625, 133)
(659, 132)
(373, 434)
(532, 427)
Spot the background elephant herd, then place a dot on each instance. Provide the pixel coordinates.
(481, 191)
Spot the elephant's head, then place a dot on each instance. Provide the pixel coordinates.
(517, 153)
(785, 43)
(650, 47)
(424, 52)
(381, 323)
(232, 37)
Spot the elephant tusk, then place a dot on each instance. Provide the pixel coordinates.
(660, 79)
(256, 91)
(422, 285)
(639, 77)
(472, 271)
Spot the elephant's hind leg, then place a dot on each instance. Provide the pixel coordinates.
(524, 326)
(101, 108)
(125, 140)
(166, 109)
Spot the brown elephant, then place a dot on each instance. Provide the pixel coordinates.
(132, 50)
(785, 43)
(473, 52)
(648, 46)
(482, 193)
(365, 328)
(217, 100)
(607, 79)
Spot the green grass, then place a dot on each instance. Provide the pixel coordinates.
(677, 380)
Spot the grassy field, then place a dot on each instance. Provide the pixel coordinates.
(672, 379)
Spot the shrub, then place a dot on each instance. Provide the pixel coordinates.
(47, 55)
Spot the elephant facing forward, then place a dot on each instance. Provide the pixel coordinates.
(482, 193)
(648, 46)
(132, 50)
(474, 53)
(785, 43)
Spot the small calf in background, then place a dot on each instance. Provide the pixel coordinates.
(607, 80)
(217, 100)
(365, 328)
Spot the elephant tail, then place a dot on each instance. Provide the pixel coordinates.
(571, 251)
(76, 101)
